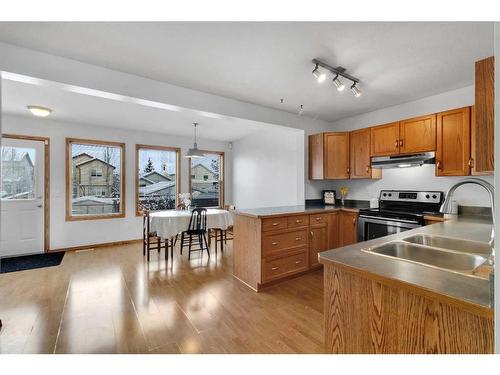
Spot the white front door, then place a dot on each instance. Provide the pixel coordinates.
(22, 191)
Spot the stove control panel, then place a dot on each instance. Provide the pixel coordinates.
(411, 196)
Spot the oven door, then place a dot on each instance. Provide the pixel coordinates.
(376, 227)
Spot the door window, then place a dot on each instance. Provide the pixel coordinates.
(18, 173)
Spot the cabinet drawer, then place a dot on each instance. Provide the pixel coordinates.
(317, 219)
(274, 223)
(285, 266)
(298, 221)
(273, 244)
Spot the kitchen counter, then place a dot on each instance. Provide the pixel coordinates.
(296, 210)
(464, 289)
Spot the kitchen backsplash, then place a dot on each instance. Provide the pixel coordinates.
(416, 178)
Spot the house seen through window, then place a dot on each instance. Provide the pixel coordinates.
(207, 176)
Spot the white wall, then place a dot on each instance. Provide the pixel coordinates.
(268, 169)
(76, 233)
(420, 178)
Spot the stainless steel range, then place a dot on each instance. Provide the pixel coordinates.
(399, 210)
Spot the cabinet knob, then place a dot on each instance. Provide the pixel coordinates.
(298, 261)
(471, 163)
(354, 220)
(274, 224)
(312, 233)
(400, 143)
(396, 143)
(298, 221)
(297, 238)
(274, 243)
(274, 268)
(318, 218)
(438, 164)
(367, 168)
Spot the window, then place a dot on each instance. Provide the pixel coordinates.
(96, 172)
(94, 179)
(18, 173)
(207, 180)
(158, 178)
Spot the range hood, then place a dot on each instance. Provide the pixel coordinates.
(403, 161)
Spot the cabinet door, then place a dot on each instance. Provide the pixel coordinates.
(336, 155)
(453, 143)
(385, 139)
(417, 134)
(360, 163)
(315, 151)
(348, 228)
(483, 131)
(317, 244)
(333, 231)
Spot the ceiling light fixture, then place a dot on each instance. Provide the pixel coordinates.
(338, 72)
(39, 111)
(355, 90)
(338, 83)
(320, 76)
(194, 152)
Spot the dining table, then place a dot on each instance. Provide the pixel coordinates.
(169, 223)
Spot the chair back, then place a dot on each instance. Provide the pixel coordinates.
(198, 219)
(229, 207)
(181, 206)
(145, 223)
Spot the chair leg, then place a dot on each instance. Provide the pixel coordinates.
(190, 244)
(225, 237)
(221, 241)
(158, 243)
(166, 249)
(176, 238)
(182, 242)
(206, 243)
(172, 248)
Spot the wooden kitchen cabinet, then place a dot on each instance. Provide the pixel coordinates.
(453, 142)
(336, 155)
(417, 134)
(360, 163)
(333, 230)
(348, 228)
(483, 119)
(319, 238)
(316, 157)
(385, 139)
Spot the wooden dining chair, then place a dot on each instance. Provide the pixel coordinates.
(151, 241)
(229, 232)
(196, 232)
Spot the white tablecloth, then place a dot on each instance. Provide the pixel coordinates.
(171, 222)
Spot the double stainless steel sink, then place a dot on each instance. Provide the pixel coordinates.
(446, 253)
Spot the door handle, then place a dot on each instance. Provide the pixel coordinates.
(40, 206)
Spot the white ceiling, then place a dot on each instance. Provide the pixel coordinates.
(261, 62)
(86, 109)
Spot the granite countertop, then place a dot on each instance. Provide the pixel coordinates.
(352, 206)
(466, 289)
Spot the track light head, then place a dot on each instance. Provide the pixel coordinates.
(320, 77)
(338, 83)
(355, 90)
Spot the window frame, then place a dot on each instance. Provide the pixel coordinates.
(69, 190)
(177, 150)
(221, 175)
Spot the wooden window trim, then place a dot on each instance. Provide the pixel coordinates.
(46, 198)
(177, 150)
(221, 175)
(121, 214)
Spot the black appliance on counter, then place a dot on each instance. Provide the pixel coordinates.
(399, 210)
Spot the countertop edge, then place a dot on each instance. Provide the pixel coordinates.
(300, 212)
(484, 311)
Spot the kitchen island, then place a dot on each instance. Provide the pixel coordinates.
(381, 304)
(273, 244)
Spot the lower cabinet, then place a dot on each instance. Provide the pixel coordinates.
(269, 249)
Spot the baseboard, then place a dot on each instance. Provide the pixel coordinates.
(96, 246)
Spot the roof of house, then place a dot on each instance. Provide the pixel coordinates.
(20, 158)
(90, 198)
(157, 173)
(202, 165)
(91, 160)
(158, 186)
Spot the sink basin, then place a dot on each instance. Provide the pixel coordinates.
(448, 260)
(463, 246)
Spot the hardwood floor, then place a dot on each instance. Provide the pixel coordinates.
(110, 300)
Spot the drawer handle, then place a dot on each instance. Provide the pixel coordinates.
(318, 218)
(274, 243)
(298, 221)
(297, 238)
(274, 268)
(298, 261)
(274, 224)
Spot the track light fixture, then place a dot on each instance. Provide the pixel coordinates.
(338, 72)
(355, 90)
(338, 83)
(320, 76)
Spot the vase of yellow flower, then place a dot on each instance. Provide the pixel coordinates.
(344, 190)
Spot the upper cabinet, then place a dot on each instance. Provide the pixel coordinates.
(483, 132)
(385, 139)
(453, 143)
(360, 163)
(404, 137)
(316, 157)
(336, 149)
(417, 135)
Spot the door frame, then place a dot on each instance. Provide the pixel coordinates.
(46, 197)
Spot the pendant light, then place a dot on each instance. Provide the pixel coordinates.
(194, 153)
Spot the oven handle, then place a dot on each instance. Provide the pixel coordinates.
(387, 220)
